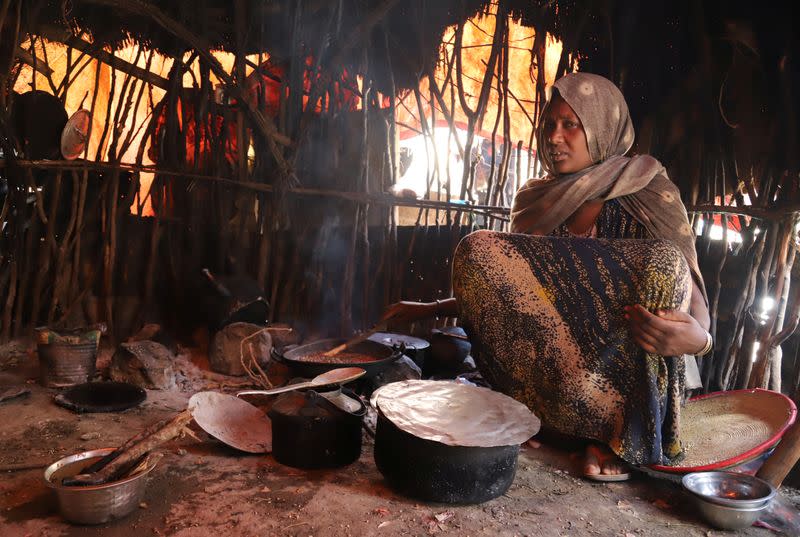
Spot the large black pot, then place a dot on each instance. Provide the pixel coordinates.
(309, 431)
(381, 354)
(435, 472)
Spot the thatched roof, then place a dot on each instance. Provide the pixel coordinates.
(692, 68)
(649, 48)
(652, 44)
(411, 29)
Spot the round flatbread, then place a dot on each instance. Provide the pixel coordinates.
(455, 414)
(233, 421)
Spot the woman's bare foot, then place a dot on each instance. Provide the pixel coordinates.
(601, 461)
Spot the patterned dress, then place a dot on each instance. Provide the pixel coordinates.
(546, 321)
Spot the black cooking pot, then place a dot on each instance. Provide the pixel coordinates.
(381, 356)
(234, 299)
(435, 472)
(311, 432)
(449, 347)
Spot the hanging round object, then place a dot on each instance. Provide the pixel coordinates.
(75, 135)
(38, 119)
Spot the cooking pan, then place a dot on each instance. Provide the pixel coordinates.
(382, 356)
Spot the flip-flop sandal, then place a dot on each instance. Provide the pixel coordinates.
(600, 458)
(608, 477)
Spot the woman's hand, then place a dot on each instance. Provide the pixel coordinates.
(668, 332)
(406, 311)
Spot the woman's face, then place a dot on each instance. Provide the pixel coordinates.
(565, 139)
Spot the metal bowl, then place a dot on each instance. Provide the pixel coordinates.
(728, 518)
(96, 504)
(729, 489)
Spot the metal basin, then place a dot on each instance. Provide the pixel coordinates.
(66, 364)
(730, 489)
(728, 518)
(97, 504)
(729, 500)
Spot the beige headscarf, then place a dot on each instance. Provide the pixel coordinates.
(640, 183)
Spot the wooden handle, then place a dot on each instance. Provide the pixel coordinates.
(276, 391)
(221, 289)
(352, 341)
(783, 459)
(338, 349)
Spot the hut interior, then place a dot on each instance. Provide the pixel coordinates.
(192, 190)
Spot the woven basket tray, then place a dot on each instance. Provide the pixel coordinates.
(723, 429)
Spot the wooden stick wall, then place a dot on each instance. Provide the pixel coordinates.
(298, 201)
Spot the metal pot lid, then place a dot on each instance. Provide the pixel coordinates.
(232, 421)
(455, 414)
(389, 339)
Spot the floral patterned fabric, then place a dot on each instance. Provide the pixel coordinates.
(545, 316)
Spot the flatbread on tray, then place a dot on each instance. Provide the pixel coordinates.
(455, 414)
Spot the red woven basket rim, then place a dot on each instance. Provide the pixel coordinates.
(747, 455)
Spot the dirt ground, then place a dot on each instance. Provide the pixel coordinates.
(205, 488)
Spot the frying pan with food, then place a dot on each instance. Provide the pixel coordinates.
(309, 360)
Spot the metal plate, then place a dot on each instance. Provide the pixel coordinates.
(455, 414)
(101, 397)
(232, 421)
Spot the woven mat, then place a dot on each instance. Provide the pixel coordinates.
(719, 428)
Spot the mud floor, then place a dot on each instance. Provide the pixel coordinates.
(207, 489)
